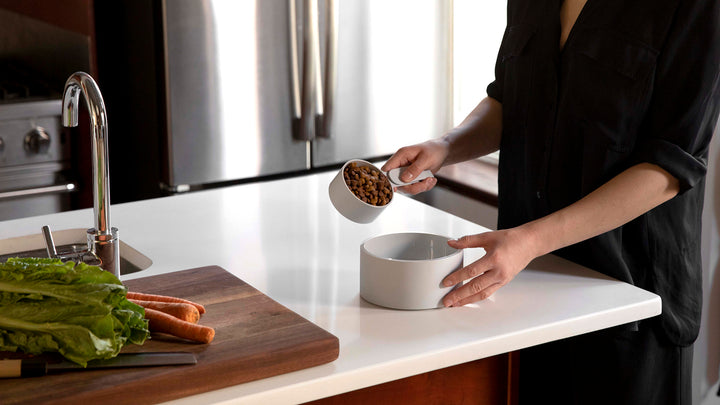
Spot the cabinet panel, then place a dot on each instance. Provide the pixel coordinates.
(489, 381)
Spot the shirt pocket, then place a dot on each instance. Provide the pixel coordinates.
(514, 41)
(623, 55)
(610, 85)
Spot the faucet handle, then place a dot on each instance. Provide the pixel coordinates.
(86, 256)
(49, 244)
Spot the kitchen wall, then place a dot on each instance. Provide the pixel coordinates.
(706, 368)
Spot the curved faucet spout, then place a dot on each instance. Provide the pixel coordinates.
(81, 83)
(102, 240)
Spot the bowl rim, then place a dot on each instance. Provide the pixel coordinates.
(342, 178)
(363, 249)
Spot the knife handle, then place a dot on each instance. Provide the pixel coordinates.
(22, 368)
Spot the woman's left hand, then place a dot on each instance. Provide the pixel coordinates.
(507, 252)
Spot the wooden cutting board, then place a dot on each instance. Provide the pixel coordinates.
(255, 337)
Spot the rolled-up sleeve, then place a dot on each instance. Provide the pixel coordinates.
(685, 102)
(495, 88)
(514, 42)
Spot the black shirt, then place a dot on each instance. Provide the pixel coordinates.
(637, 81)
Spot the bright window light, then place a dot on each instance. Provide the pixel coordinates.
(478, 28)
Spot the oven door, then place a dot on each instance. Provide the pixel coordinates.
(34, 190)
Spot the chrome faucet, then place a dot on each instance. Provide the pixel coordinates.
(103, 242)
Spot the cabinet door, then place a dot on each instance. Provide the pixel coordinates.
(488, 381)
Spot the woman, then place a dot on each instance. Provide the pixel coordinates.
(603, 114)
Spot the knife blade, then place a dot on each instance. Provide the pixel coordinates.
(37, 366)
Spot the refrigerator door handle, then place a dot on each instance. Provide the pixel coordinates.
(325, 116)
(306, 99)
(294, 67)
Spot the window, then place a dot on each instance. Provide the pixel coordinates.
(478, 27)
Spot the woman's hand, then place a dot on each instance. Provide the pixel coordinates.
(428, 155)
(507, 252)
(631, 193)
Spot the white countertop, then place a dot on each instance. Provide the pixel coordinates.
(285, 239)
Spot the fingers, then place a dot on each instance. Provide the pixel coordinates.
(419, 187)
(474, 269)
(470, 271)
(470, 241)
(483, 283)
(428, 155)
(507, 253)
(403, 157)
(477, 289)
(484, 275)
(422, 162)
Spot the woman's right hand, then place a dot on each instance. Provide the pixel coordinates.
(429, 155)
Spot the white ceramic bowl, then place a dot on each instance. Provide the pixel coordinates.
(347, 204)
(405, 270)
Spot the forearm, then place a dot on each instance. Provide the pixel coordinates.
(508, 251)
(477, 135)
(622, 199)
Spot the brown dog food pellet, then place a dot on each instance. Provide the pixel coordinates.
(368, 184)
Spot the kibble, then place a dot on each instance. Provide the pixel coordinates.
(368, 184)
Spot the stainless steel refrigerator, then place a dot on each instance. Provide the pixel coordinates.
(255, 88)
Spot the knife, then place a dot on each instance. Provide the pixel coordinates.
(37, 366)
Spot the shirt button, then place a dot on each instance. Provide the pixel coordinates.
(539, 196)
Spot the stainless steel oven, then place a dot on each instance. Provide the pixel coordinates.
(35, 153)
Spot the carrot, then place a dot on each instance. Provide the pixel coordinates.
(162, 298)
(164, 323)
(179, 310)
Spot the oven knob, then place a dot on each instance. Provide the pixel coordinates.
(37, 141)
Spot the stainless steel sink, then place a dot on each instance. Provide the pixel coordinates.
(69, 241)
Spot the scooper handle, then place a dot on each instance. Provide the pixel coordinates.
(394, 176)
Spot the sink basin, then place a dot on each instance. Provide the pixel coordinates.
(68, 241)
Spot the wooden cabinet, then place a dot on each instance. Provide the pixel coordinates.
(52, 39)
(73, 15)
(489, 381)
(71, 46)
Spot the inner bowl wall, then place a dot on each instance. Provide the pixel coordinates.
(410, 246)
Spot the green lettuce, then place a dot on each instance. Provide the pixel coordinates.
(78, 310)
